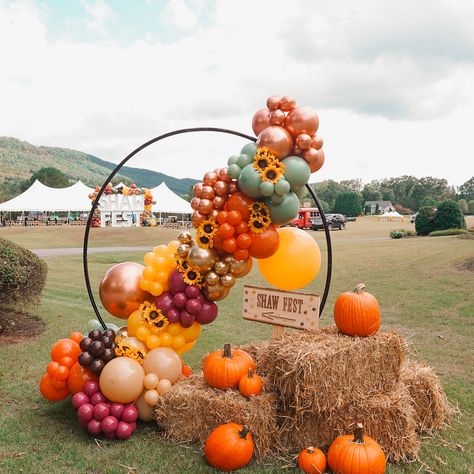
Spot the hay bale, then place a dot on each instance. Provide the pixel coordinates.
(258, 350)
(192, 409)
(388, 418)
(315, 371)
(432, 409)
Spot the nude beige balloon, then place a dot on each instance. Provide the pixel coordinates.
(164, 363)
(145, 411)
(121, 380)
(277, 139)
(260, 120)
(134, 342)
(302, 120)
(164, 386)
(151, 397)
(119, 290)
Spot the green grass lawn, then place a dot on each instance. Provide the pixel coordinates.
(422, 291)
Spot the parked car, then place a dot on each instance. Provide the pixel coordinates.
(335, 221)
(413, 218)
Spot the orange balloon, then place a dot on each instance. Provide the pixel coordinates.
(78, 376)
(234, 218)
(52, 367)
(50, 392)
(260, 120)
(230, 245)
(57, 383)
(76, 336)
(226, 231)
(264, 245)
(244, 241)
(218, 241)
(222, 217)
(120, 292)
(61, 373)
(241, 254)
(65, 348)
(277, 139)
(302, 120)
(242, 228)
(240, 202)
(67, 361)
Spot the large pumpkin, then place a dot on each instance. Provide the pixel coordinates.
(229, 447)
(354, 454)
(312, 461)
(357, 312)
(224, 369)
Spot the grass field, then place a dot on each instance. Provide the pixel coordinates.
(423, 292)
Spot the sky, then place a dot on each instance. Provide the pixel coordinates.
(392, 82)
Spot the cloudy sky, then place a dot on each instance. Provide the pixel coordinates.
(392, 82)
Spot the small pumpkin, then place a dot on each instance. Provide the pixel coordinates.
(353, 454)
(312, 461)
(357, 312)
(250, 384)
(224, 369)
(229, 447)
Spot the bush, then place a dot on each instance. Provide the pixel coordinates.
(463, 206)
(22, 274)
(403, 210)
(441, 233)
(348, 203)
(470, 207)
(449, 216)
(428, 201)
(399, 233)
(424, 223)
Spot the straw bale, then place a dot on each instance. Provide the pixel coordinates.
(388, 418)
(258, 350)
(192, 409)
(324, 370)
(432, 409)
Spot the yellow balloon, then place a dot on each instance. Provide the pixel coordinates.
(156, 288)
(148, 273)
(174, 329)
(160, 251)
(187, 347)
(166, 339)
(159, 263)
(162, 276)
(142, 333)
(178, 341)
(152, 341)
(296, 262)
(192, 333)
(135, 320)
(148, 259)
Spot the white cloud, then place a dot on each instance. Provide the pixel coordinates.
(385, 111)
(178, 14)
(98, 12)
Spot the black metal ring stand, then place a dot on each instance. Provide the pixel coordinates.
(162, 137)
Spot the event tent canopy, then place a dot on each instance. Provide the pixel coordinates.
(39, 197)
(168, 201)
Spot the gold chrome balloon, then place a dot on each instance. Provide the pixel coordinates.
(227, 280)
(221, 267)
(183, 250)
(216, 292)
(202, 259)
(238, 268)
(212, 278)
(185, 237)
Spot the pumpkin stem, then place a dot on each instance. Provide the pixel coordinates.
(359, 434)
(310, 450)
(244, 432)
(227, 351)
(250, 373)
(359, 288)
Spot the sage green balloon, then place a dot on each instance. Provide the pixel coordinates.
(266, 188)
(244, 160)
(234, 171)
(277, 198)
(284, 212)
(250, 149)
(297, 171)
(282, 187)
(300, 192)
(232, 160)
(249, 182)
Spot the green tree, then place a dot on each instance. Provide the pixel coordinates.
(354, 185)
(348, 203)
(377, 209)
(367, 209)
(327, 191)
(466, 190)
(424, 223)
(449, 216)
(372, 191)
(51, 177)
(428, 201)
(470, 206)
(463, 205)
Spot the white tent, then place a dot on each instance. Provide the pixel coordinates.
(168, 201)
(39, 197)
(391, 215)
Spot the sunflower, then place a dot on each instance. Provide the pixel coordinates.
(204, 240)
(279, 165)
(182, 264)
(258, 210)
(208, 227)
(123, 349)
(193, 277)
(256, 207)
(155, 319)
(272, 174)
(263, 159)
(256, 226)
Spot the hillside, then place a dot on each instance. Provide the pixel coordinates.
(19, 160)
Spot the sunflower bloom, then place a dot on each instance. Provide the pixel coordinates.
(193, 277)
(272, 174)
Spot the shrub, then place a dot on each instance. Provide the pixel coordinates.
(441, 233)
(403, 210)
(463, 206)
(399, 233)
(348, 203)
(22, 274)
(449, 216)
(424, 223)
(428, 201)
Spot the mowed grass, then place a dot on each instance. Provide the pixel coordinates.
(422, 291)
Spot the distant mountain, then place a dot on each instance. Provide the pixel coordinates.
(19, 160)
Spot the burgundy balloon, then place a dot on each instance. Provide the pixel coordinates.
(186, 319)
(101, 410)
(180, 300)
(193, 306)
(173, 315)
(176, 282)
(93, 427)
(91, 387)
(109, 424)
(192, 291)
(79, 399)
(208, 312)
(164, 302)
(124, 430)
(130, 413)
(86, 412)
(116, 409)
(97, 398)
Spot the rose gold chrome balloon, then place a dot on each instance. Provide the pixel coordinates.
(287, 103)
(205, 206)
(302, 120)
(317, 142)
(219, 202)
(273, 102)
(260, 120)
(197, 189)
(221, 188)
(316, 165)
(195, 203)
(197, 218)
(297, 151)
(213, 214)
(222, 174)
(311, 155)
(233, 187)
(210, 178)
(119, 290)
(277, 117)
(207, 192)
(303, 141)
(277, 139)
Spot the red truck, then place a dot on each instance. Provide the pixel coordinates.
(306, 218)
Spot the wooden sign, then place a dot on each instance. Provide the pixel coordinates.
(281, 308)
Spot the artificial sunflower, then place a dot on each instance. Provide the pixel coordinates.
(193, 277)
(272, 174)
(155, 319)
(204, 241)
(256, 226)
(122, 349)
(259, 209)
(279, 165)
(263, 159)
(208, 227)
(182, 264)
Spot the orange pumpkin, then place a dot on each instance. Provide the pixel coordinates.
(224, 369)
(229, 447)
(357, 312)
(352, 454)
(250, 384)
(312, 461)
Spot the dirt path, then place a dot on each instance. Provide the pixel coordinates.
(61, 252)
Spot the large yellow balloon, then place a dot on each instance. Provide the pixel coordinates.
(296, 262)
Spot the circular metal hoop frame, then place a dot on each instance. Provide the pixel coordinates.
(162, 137)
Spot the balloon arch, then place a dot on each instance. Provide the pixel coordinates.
(162, 137)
